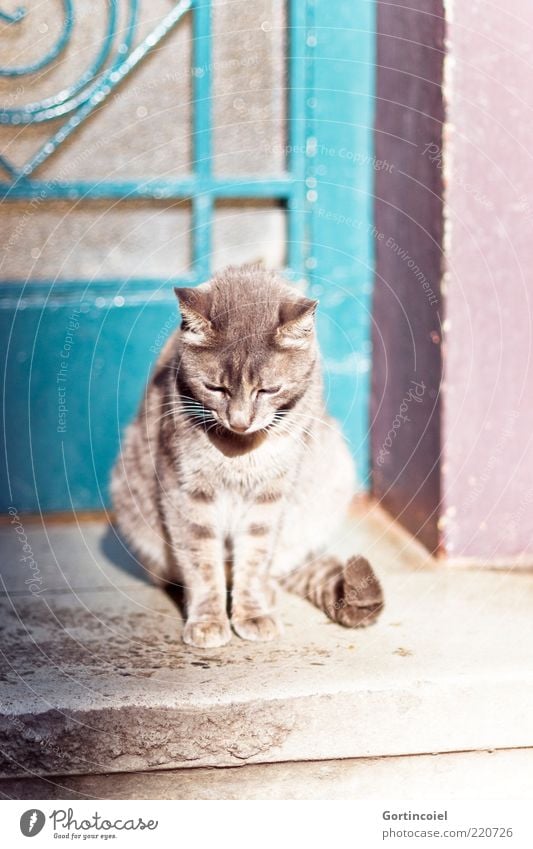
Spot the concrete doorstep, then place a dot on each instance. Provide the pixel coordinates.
(95, 679)
(501, 774)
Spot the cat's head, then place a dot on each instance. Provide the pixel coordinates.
(247, 348)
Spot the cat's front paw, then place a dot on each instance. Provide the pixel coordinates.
(206, 634)
(360, 598)
(257, 628)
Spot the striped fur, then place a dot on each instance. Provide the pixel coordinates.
(233, 458)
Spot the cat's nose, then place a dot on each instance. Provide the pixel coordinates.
(238, 421)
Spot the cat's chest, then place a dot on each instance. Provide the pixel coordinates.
(240, 476)
(238, 484)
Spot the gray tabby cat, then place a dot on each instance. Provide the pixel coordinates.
(233, 459)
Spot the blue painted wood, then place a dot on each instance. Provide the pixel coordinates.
(202, 204)
(297, 237)
(75, 374)
(339, 178)
(121, 325)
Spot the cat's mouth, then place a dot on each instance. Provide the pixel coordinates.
(232, 443)
(247, 431)
(250, 430)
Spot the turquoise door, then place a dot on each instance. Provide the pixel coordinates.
(81, 329)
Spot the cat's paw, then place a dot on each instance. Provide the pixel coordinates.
(359, 596)
(206, 635)
(257, 628)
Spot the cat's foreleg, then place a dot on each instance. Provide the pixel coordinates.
(198, 549)
(253, 596)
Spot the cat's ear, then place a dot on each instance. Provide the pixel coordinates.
(297, 323)
(194, 307)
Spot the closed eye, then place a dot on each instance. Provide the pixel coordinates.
(271, 390)
(217, 388)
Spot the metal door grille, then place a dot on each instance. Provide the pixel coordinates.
(202, 186)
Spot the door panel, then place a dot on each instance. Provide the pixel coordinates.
(181, 139)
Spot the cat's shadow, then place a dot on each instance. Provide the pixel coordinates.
(116, 550)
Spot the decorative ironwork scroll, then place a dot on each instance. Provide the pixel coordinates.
(95, 84)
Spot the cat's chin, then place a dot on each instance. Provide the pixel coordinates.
(233, 444)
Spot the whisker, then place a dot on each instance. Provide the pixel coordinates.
(291, 415)
(201, 417)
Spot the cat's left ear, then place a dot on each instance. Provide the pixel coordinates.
(194, 307)
(297, 323)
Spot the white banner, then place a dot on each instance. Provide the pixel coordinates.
(313, 825)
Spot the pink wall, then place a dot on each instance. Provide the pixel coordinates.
(487, 424)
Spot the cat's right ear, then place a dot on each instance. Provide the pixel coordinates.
(196, 328)
(297, 322)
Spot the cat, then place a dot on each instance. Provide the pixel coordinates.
(233, 459)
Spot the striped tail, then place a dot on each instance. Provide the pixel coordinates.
(349, 593)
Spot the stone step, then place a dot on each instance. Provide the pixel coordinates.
(501, 774)
(95, 678)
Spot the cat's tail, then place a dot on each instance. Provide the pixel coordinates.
(349, 593)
